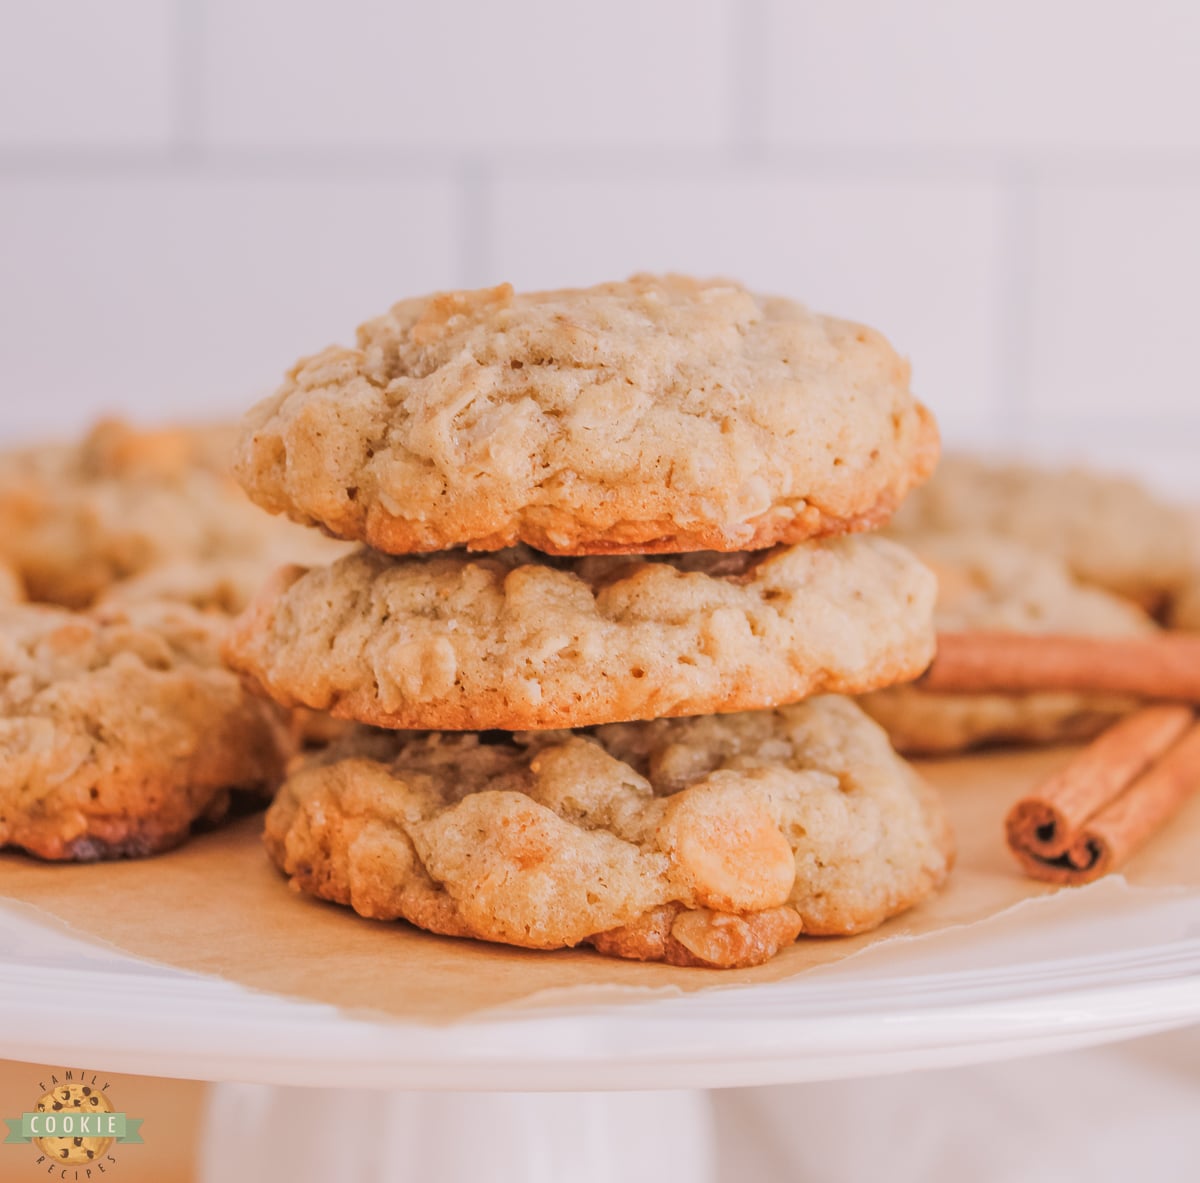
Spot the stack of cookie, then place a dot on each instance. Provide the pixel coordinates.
(608, 533)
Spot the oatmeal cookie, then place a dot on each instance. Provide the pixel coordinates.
(226, 586)
(516, 640)
(1109, 530)
(662, 414)
(706, 841)
(997, 584)
(75, 519)
(223, 584)
(120, 730)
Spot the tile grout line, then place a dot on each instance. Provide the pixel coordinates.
(1011, 386)
(475, 254)
(748, 96)
(188, 78)
(565, 163)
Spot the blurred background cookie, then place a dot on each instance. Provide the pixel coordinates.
(994, 583)
(119, 731)
(1108, 529)
(77, 518)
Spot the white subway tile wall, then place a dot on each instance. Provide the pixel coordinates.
(1057, 75)
(461, 75)
(190, 294)
(1116, 298)
(195, 192)
(91, 76)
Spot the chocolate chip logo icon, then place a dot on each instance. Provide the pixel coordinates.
(68, 1107)
(74, 1123)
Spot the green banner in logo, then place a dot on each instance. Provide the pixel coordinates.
(73, 1124)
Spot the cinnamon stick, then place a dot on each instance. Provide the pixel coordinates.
(1090, 817)
(1164, 667)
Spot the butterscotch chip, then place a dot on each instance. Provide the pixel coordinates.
(991, 583)
(513, 639)
(76, 519)
(118, 732)
(697, 936)
(702, 841)
(1109, 530)
(661, 414)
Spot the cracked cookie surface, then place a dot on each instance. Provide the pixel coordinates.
(514, 640)
(705, 841)
(661, 414)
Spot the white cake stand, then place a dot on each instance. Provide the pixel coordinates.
(340, 1095)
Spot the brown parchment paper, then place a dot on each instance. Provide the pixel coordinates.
(217, 906)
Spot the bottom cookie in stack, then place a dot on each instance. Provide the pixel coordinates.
(711, 840)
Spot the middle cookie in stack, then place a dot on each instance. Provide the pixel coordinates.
(619, 428)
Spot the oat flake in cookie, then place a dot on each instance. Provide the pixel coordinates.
(662, 414)
(706, 841)
(118, 732)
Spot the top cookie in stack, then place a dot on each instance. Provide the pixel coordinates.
(667, 477)
(653, 416)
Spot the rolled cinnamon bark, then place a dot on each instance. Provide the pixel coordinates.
(1164, 667)
(1090, 817)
